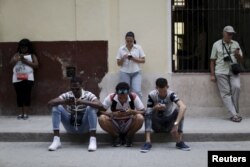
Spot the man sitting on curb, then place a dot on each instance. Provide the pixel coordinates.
(75, 109)
(125, 118)
(162, 115)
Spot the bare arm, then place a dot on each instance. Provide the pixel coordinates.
(14, 59)
(182, 110)
(56, 101)
(17, 57)
(120, 61)
(238, 55)
(138, 60)
(134, 112)
(95, 104)
(33, 64)
(212, 70)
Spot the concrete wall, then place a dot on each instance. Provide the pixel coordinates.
(69, 20)
(108, 21)
(45, 20)
(51, 78)
(196, 90)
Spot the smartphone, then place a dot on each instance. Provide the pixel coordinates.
(21, 56)
(71, 99)
(130, 56)
(162, 105)
(122, 110)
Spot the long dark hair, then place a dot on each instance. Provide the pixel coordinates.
(131, 34)
(25, 43)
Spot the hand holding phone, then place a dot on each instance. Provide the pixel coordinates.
(122, 110)
(161, 106)
(70, 100)
(130, 56)
(21, 56)
(237, 52)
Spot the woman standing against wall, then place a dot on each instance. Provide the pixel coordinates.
(129, 57)
(24, 62)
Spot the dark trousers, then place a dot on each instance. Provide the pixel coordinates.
(161, 123)
(23, 92)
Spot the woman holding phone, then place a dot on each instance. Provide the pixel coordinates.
(24, 62)
(128, 58)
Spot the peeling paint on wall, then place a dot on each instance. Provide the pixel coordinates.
(89, 58)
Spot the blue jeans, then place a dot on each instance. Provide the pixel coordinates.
(134, 80)
(161, 123)
(60, 114)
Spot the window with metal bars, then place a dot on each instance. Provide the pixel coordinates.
(197, 24)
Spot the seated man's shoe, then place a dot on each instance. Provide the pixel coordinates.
(25, 116)
(20, 116)
(123, 138)
(146, 147)
(129, 141)
(55, 144)
(116, 141)
(182, 146)
(92, 144)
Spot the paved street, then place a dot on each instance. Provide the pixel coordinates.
(35, 154)
(30, 140)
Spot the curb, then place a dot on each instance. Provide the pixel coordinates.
(139, 137)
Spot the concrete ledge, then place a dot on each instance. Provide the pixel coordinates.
(139, 137)
(196, 90)
(199, 129)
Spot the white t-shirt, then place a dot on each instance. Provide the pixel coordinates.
(129, 66)
(23, 68)
(108, 102)
(86, 95)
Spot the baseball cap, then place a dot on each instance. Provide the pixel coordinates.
(229, 29)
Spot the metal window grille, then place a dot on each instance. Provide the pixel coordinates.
(197, 24)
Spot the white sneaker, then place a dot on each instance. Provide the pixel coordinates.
(55, 144)
(92, 144)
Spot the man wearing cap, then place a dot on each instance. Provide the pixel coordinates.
(226, 52)
(125, 118)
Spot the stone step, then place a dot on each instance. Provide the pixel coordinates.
(199, 129)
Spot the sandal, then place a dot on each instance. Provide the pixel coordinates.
(236, 118)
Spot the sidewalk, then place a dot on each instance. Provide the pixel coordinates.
(199, 129)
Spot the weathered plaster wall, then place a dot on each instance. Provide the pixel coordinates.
(88, 57)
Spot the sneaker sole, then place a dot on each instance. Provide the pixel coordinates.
(118, 145)
(19, 117)
(128, 145)
(144, 151)
(49, 149)
(91, 150)
(184, 149)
